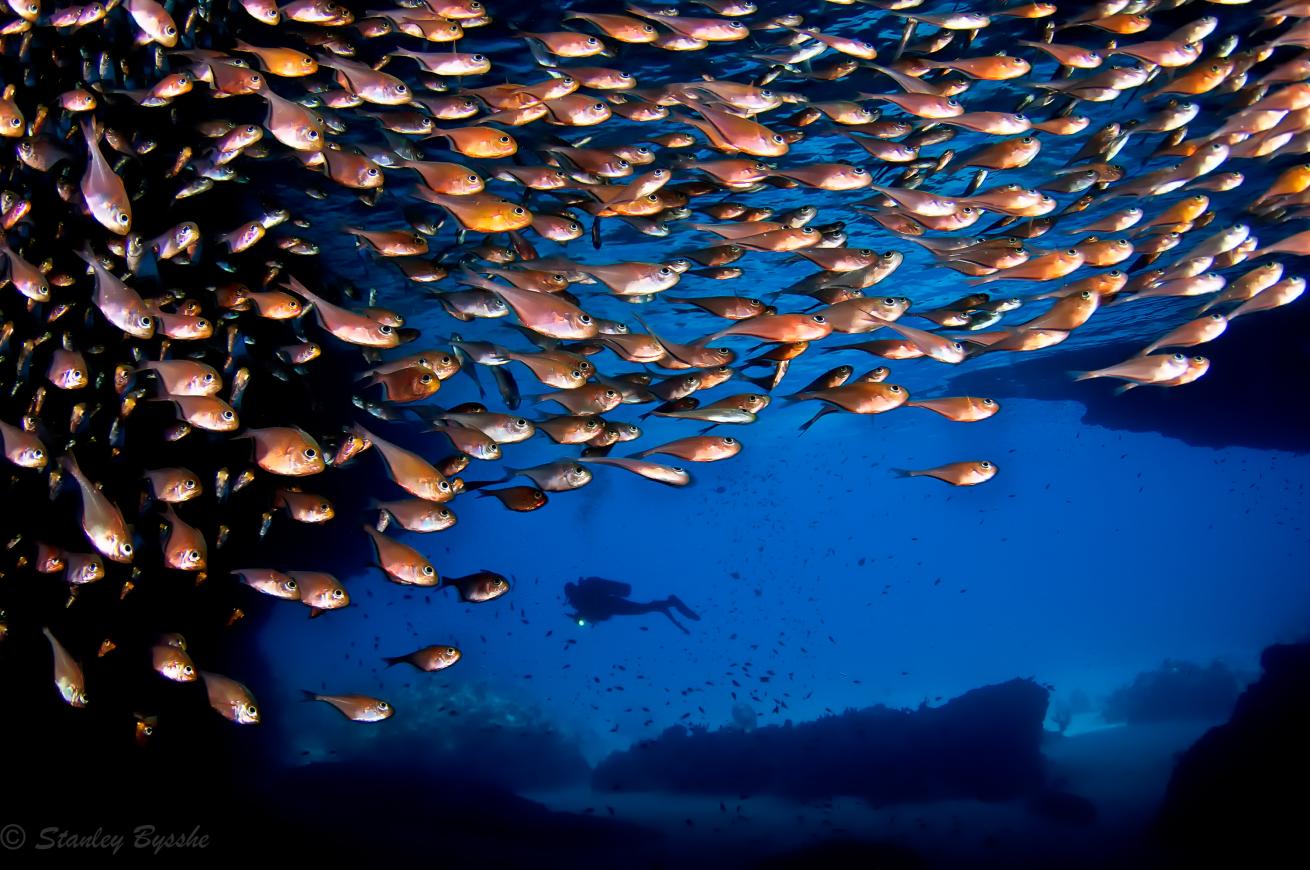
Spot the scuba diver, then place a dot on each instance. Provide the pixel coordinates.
(595, 600)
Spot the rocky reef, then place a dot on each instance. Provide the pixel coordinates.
(1239, 791)
(985, 744)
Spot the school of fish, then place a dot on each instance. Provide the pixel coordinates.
(179, 369)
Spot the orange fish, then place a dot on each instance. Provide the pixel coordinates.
(1141, 369)
(319, 591)
(357, 708)
(102, 521)
(286, 450)
(185, 548)
(429, 658)
(230, 699)
(68, 674)
(957, 473)
(346, 325)
(697, 448)
(778, 327)
(961, 409)
(410, 471)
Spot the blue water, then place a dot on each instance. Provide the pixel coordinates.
(1096, 552)
(1119, 532)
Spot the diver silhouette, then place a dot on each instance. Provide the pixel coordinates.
(595, 600)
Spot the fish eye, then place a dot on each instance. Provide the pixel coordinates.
(1086, 294)
(893, 388)
(126, 549)
(444, 486)
(428, 571)
(722, 351)
(504, 140)
(968, 209)
(337, 593)
(310, 453)
(170, 30)
(400, 88)
(426, 379)
(1198, 359)
(252, 710)
(984, 464)
(988, 402)
(1072, 252)
(646, 28)
(384, 329)
(228, 415)
(147, 730)
(371, 172)
(311, 135)
(1179, 357)
(1027, 140)
(591, 40)
(953, 103)
(473, 179)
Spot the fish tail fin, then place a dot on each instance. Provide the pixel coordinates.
(307, 695)
(804, 427)
(979, 177)
(763, 382)
(392, 661)
(905, 472)
(1123, 388)
(1082, 376)
(475, 485)
(906, 35)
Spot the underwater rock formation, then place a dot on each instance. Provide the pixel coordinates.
(1174, 691)
(1240, 789)
(985, 744)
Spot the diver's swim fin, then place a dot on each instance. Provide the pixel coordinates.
(682, 608)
